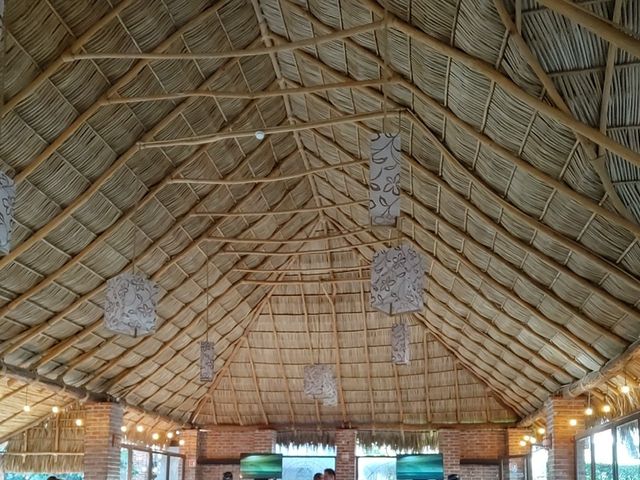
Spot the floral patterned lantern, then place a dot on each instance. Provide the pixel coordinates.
(400, 344)
(384, 182)
(130, 305)
(207, 360)
(320, 384)
(397, 280)
(7, 199)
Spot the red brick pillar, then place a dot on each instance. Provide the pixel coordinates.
(102, 436)
(449, 446)
(562, 435)
(264, 441)
(514, 436)
(346, 454)
(189, 448)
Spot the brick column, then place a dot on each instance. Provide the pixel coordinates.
(449, 446)
(264, 441)
(190, 452)
(345, 454)
(102, 436)
(514, 435)
(562, 435)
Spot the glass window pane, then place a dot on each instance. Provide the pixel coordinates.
(628, 451)
(159, 467)
(303, 468)
(583, 458)
(376, 468)
(139, 465)
(603, 451)
(516, 468)
(539, 457)
(124, 463)
(175, 468)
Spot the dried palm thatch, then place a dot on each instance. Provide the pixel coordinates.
(520, 187)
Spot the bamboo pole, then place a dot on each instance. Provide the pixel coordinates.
(255, 381)
(248, 52)
(288, 283)
(306, 252)
(248, 95)
(306, 271)
(203, 139)
(283, 373)
(279, 212)
(598, 26)
(250, 180)
(274, 241)
(53, 67)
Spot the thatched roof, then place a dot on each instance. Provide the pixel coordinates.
(520, 187)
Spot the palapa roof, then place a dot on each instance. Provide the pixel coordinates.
(521, 136)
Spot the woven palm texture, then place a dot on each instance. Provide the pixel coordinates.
(128, 127)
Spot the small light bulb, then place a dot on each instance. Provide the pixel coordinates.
(523, 443)
(169, 434)
(588, 411)
(625, 389)
(260, 135)
(181, 443)
(55, 409)
(139, 428)
(26, 408)
(606, 408)
(573, 422)
(533, 440)
(123, 428)
(78, 422)
(177, 432)
(155, 436)
(541, 431)
(526, 438)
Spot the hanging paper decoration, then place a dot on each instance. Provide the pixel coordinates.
(130, 305)
(206, 361)
(384, 173)
(320, 384)
(7, 198)
(400, 344)
(397, 280)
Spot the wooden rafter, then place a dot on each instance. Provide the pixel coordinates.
(278, 212)
(255, 381)
(283, 373)
(365, 340)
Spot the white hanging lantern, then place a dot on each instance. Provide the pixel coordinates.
(400, 344)
(7, 199)
(130, 305)
(397, 280)
(320, 384)
(207, 360)
(384, 179)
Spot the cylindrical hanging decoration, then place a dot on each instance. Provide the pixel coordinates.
(207, 359)
(397, 280)
(320, 384)
(130, 305)
(400, 344)
(7, 199)
(384, 179)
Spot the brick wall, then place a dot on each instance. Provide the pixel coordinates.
(190, 451)
(562, 454)
(212, 444)
(483, 444)
(449, 444)
(346, 454)
(479, 472)
(514, 435)
(102, 438)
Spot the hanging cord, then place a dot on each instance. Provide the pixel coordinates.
(385, 60)
(208, 297)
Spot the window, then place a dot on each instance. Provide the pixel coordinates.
(628, 451)
(539, 458)
(303, 468)
(143, 464)
(376, 468)
(583, 458)
(603, 454)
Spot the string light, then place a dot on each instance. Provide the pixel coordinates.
(155, 436)
(139, 428)
(169, 435)
(526, 438)
(55, 409)
(533, 440)
(26, 408)
(541, 431)
(588, 411)
(79, 422)
(123, 428)
(181, 442)
(573, 422)
(177, 432)
(523, 443)
(606, 408)
(625, 389)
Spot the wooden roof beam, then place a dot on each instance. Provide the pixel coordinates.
(503, 152)
(283, 373)
(603, 29)
(24, 337)
(555, 96)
